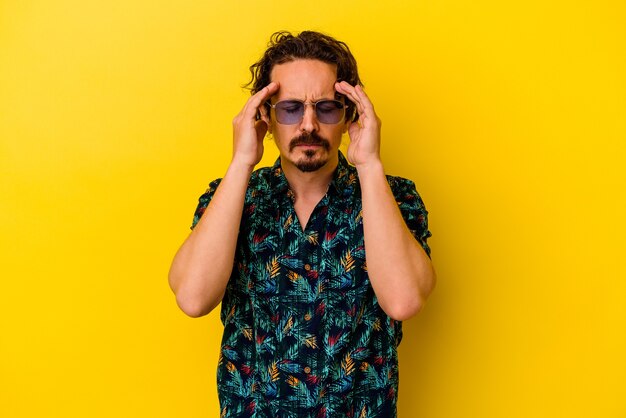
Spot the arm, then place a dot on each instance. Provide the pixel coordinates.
(202, 266)
(399, 269)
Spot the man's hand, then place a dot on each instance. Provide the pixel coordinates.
(248, 133)
(364, 147)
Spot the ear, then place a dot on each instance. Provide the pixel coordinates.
(265, 117)
(270, 125)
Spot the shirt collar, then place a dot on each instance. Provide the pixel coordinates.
(343, 177)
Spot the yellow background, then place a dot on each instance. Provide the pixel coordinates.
(509, 116)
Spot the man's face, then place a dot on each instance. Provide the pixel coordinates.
(309, 144)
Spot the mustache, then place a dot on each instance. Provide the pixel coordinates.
(309, 139)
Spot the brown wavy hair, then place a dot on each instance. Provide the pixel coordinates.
(285, 47)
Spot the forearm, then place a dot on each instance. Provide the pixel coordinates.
(400, 272)
(202, 266)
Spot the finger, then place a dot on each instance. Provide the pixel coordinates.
(253, 103)
(353, 131)
(358, 95)
(339, 87)
(345, 88)
(364, 98)
(350, 92)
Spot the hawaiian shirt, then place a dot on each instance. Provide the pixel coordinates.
(304, 335)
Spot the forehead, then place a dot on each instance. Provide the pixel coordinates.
(305, 79)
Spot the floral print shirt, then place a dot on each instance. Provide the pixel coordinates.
(304, 335)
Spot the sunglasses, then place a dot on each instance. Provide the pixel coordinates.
(291, 112)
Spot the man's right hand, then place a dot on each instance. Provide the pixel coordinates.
(248, 133)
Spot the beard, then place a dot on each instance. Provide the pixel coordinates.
(309, 162)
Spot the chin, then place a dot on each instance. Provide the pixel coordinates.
(309, 162)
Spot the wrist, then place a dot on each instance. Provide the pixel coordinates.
(374, 166)
(241, 166)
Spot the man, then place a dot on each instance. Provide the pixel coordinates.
(315, 261)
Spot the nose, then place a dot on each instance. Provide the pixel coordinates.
(309, 121)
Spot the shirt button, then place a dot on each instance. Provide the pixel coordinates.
(307, 370)
(307, 317)
(307, 267)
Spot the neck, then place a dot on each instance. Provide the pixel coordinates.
(309, 185)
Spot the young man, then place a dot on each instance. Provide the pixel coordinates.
(315, 261)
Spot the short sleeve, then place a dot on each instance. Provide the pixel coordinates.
(412, 208)
(204, 200)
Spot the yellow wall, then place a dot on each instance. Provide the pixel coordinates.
(510, 117)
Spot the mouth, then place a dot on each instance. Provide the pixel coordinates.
(309, 145)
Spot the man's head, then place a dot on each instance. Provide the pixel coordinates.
(285, 47)
(306, 67)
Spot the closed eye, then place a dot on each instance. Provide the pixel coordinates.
(291, 107)
(328, 106)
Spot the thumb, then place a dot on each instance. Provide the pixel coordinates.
(353, 130)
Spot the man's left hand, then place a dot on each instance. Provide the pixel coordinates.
(364, 147)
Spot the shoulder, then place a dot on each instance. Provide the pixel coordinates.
(406, 194)
(401, 186)
(260, 182)
(398, 182)
(207, 195)
(412, 208)
(261, 176)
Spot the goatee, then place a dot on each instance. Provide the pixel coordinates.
(309, 164)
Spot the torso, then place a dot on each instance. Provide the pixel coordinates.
(303, 333)
(304, 208)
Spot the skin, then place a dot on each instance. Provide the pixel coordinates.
(310, 81)
(203, 265)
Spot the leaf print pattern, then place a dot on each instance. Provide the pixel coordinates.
(304, 335)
